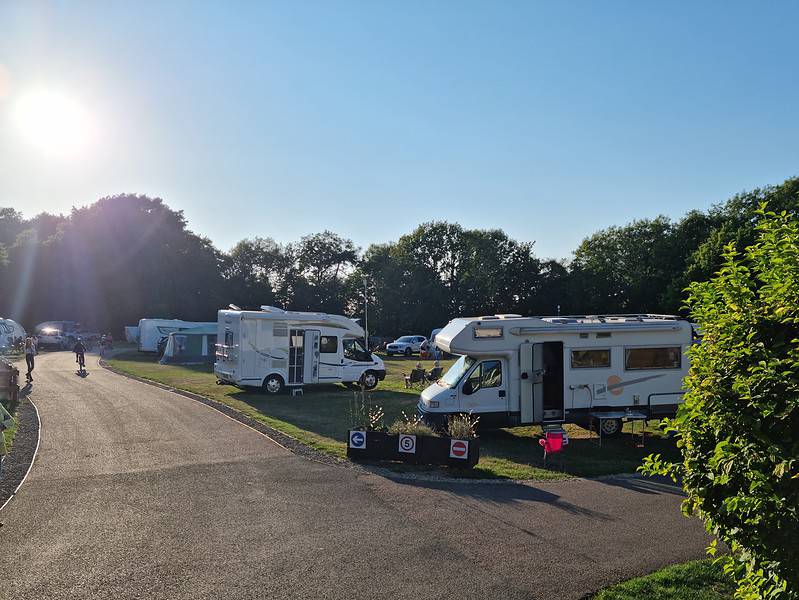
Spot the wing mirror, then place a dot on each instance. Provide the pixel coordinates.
(468, 388)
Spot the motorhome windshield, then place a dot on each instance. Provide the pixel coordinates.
(456, 371)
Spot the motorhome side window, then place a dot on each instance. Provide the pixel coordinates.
(328, 344)
(487, 374)
(591, 359)
(636, 359)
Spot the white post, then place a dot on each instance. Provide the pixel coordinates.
(366, 314)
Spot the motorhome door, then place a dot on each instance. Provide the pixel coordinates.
(531, 369)
(311, 367)
(296, 356)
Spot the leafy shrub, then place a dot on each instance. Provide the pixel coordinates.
(738, 430)
(462, 426)
(412, 425)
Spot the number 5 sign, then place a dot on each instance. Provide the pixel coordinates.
(407, 443)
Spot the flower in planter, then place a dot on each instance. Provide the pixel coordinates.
(462, 427)
(411, 426)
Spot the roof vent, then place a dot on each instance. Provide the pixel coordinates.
(508, 316)
(272, 309)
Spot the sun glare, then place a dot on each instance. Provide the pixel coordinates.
(55, 124)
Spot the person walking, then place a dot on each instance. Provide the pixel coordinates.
(30, 352)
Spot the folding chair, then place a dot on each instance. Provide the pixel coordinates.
(552, 442)
(416, 376)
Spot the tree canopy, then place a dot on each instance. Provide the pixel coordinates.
(129, 256)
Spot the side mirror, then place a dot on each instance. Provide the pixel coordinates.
(468, 388)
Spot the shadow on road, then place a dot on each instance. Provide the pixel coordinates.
(645, 485)
(505, 493)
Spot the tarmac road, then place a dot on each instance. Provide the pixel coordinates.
(140, 493)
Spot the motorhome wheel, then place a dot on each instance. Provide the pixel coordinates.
(273, 384)
(611, 427)
(408, 351)
(369, 380)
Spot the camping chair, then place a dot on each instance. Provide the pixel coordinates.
(416, 376)
(435, 374)
(552, 442)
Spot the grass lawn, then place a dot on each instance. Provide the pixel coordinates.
(321, 417)
(697, 580)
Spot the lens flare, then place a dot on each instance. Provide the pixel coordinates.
(55, 124)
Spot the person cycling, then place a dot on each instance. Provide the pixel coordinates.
(80, 351)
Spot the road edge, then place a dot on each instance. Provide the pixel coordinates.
(283, 440)
(33, 457)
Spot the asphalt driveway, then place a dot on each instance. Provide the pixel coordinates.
(141, 493)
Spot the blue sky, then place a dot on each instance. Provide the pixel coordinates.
(548, 120)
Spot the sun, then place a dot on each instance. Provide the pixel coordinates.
(55, 124)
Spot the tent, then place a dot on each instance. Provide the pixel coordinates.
(190, 346)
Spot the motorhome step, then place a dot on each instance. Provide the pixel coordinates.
(296, 391)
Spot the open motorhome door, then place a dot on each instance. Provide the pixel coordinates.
(531, 368)
(311, 356)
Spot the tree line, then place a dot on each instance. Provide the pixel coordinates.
(130, 256)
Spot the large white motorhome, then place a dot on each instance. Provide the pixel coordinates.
(516, 370)
(273, 348)
(152, 331)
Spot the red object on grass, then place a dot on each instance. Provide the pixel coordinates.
(552, 443)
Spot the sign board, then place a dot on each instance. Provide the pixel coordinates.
(458, 449)
(407, 443)
(358, 440)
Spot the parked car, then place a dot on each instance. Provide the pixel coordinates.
(407, 345)
(56, 334)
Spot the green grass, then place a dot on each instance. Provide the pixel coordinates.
(321, 417)
(697, 580)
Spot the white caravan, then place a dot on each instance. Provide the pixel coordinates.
(9, 332)
(132, 334)
(273, 348)
(152, 331)
(517, 370)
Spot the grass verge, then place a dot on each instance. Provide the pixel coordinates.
(696, 580)
(320, 418)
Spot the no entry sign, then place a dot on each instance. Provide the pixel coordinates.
(458, 449)
(358, 439)
(407, 443)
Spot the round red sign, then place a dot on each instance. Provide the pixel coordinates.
(458, 448)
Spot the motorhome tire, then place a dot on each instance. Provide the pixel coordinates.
(369, 380)
(611, 427)
(408, 351)
(273, 384)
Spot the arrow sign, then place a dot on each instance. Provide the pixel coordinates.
(458, 449)
(358, 440)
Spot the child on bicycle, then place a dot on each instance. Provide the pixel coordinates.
(80, 351)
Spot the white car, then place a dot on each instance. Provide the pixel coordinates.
(407, 345)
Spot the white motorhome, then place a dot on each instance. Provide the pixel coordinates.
(517, 370)
(273, 348)
(152, 331)
(10, 331)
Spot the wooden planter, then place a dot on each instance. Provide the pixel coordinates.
(417, 450)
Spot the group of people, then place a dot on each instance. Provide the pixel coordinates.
(31, 350)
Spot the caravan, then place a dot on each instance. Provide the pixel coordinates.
(152, 331)
(273, 348)
(517, 370)
(10, 333)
